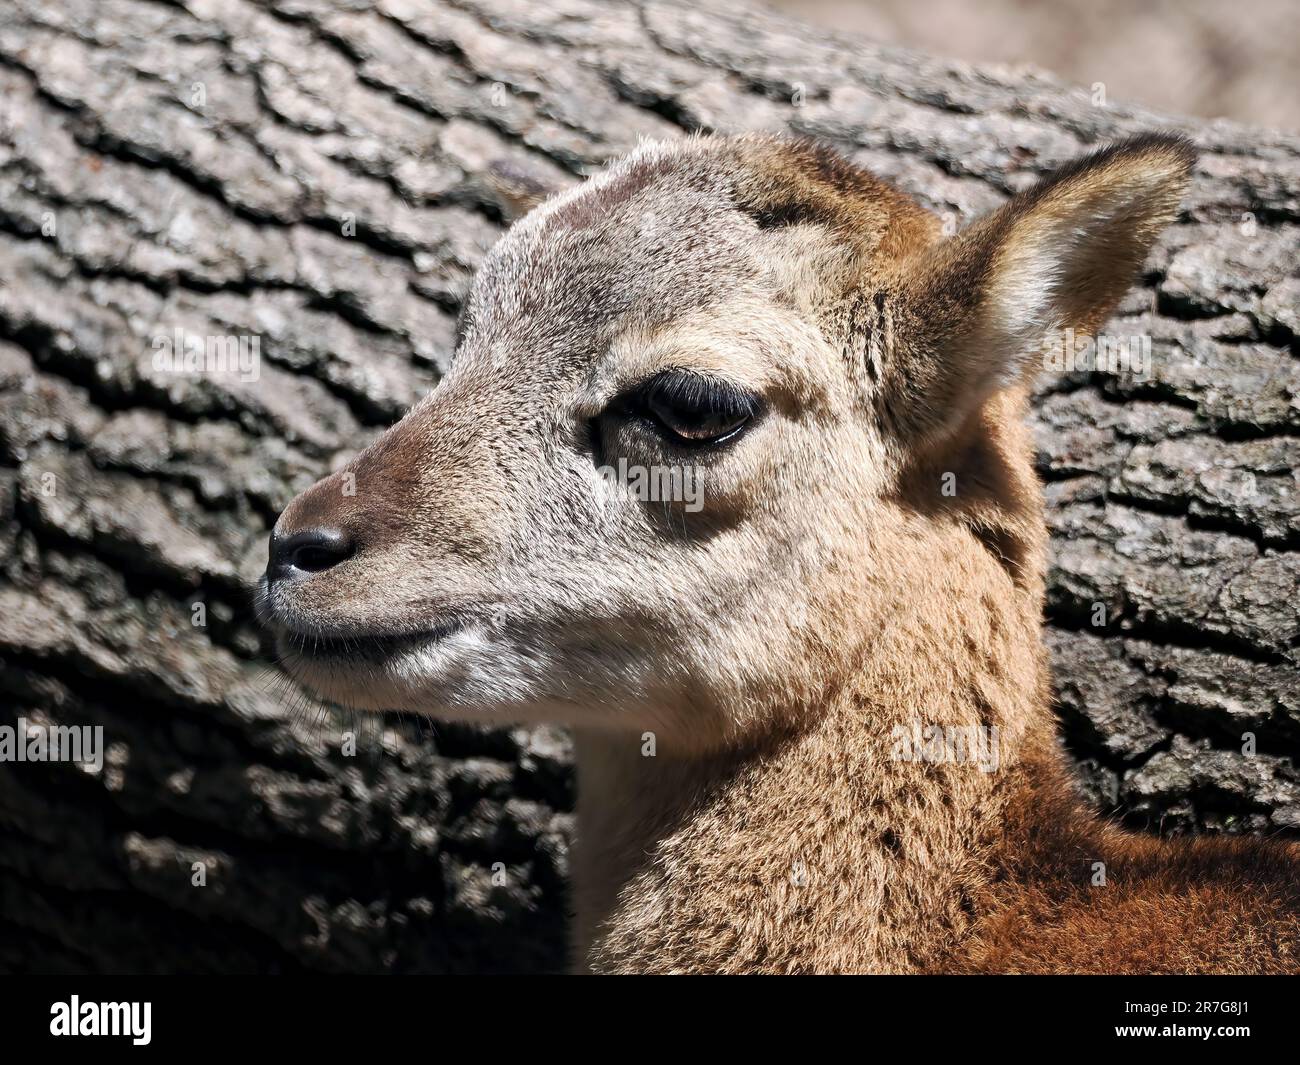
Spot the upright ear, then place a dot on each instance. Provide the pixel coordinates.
(971, 312)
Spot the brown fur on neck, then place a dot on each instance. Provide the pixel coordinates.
(815, 849)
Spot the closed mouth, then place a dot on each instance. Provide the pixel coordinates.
(369, 646)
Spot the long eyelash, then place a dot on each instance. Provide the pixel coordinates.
(695, 391)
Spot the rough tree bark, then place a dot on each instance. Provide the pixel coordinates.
(323, 176)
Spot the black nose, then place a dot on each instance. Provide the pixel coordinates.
(309, 551)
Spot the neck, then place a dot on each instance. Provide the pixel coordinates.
(859, 842)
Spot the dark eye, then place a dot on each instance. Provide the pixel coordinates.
(691, 408)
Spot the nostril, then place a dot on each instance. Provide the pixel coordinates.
(313, 559)
(310, 551)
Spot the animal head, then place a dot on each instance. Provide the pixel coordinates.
(695, 423)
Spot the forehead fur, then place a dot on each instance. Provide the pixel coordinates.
(680, 226)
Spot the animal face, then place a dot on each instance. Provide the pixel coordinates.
(660, 485)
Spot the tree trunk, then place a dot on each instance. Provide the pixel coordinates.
(320, 179)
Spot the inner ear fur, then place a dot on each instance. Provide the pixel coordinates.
(967, 317)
